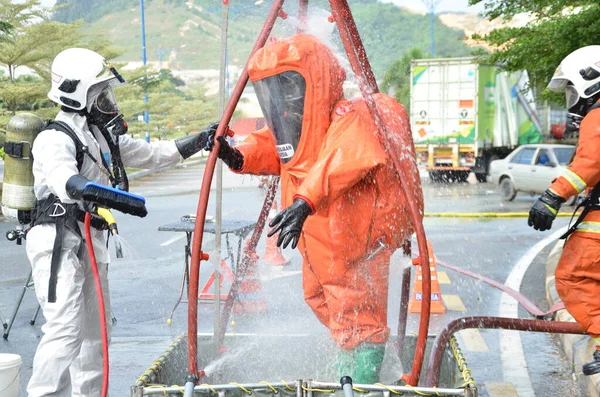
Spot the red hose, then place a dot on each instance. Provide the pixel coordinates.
(100, 296)
(197, 253)
(368, 87)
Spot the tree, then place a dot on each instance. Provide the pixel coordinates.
(557, 28)
(396, 80)
(174, 108)
(31, 40)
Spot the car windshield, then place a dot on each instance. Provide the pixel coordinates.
(564, 155)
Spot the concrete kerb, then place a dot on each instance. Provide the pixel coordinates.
(578, 349)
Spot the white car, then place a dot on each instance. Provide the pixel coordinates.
(530, 168)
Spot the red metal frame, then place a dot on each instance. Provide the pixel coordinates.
(360, 65)
(197, 253)
(368, 86)
(482, 322)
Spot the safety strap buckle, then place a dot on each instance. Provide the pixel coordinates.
(18, 150)
(58, 210)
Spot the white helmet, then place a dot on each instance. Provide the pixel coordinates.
(578, 75)
(75, 71)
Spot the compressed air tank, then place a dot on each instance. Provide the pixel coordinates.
(17, 189)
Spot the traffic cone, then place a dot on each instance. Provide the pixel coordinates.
(414, 306)
(250, 297)
(206, 293)
(273, 254)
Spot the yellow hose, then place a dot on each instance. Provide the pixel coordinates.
(109, 218)
(486, 214)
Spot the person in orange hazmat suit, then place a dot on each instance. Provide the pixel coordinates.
(340, 191)
(578, 270)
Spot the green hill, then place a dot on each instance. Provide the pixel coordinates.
(187, 34)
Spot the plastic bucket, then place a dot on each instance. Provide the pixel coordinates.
(10, 369)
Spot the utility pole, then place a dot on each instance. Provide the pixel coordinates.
(431, 6)
(219, 169)
(144, 61)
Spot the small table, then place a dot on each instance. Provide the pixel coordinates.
(186, 224)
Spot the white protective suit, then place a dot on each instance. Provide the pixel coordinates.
(68, 361)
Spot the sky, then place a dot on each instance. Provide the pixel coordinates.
(417, 5)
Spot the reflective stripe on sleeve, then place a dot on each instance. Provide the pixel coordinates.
(575, 180)
(588, 227)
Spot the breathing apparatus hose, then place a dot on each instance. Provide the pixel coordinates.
(100, 296)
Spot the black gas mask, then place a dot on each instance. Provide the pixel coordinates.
(104, 113)
(281, 98)
(577, 108)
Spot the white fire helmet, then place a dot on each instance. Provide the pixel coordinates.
(578, 75)
(75, 71)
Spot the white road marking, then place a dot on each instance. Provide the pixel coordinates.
(172, 240)
(514, 365)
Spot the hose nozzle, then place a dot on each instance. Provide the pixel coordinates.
(112, 227)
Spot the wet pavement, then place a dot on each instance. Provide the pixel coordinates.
(145, 284)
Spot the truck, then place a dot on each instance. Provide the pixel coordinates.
(465, 114)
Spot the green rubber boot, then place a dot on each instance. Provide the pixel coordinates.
(345, 363)
(368, 359)
(363, 363)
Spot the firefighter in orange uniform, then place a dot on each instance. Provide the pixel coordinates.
(578, 271)
(339, 190)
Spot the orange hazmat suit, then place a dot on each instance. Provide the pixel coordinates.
(578, 271)
(339, 167)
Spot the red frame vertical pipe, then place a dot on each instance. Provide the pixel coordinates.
(302, 14)
(197, 253)
(368, 86)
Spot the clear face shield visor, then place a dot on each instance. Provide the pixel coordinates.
(281, 98)
(105, 102)
(571, 96)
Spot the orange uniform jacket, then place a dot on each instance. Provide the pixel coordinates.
(578, 271)
(584, 171)
(341, 170)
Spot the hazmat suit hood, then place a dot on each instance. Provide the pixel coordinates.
(323, 84)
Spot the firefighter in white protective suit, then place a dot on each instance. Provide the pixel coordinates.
(77, 166)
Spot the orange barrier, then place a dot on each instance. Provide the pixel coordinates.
(414, 306)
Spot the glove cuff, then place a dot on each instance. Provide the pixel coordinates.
(191, 144)
(307, 201)
(554, 196)
(75, 186)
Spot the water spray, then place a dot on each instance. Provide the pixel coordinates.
(112, 227)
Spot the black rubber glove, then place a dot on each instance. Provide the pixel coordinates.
(544, 210)
(230, 155)
(289, 222)
(192, 144)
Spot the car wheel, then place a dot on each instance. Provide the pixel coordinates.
(507, 189)
(462, 176)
